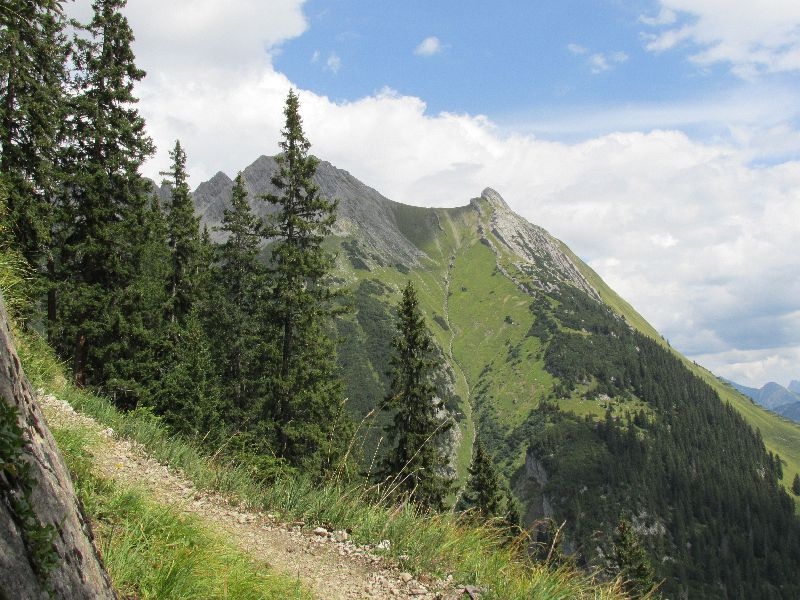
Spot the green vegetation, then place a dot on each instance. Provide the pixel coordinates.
(687, 472)
(781, 436)
(413, 467)
(631, 563)
(306, 396)
(429, 543)
(153, 551)
(210, 343)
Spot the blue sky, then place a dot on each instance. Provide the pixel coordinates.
(529, 66)
(659, 139)
(494, 58)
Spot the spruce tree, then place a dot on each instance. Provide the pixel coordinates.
(796, 485)
(239, 279)
(183, 236)
(416, 463)
(631, 562)
(33, 50)
(189, 396)
(102, 194)
(513, 518)
(306, 395)
(134, 375)
(483, 493)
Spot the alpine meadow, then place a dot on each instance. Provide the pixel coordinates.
(452, 388)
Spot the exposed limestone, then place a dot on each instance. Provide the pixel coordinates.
(78, 572)
(361, 209)
(536, 252)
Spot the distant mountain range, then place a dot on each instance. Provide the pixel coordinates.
(784, 401)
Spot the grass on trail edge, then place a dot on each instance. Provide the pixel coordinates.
(441, 544)
(152, 551)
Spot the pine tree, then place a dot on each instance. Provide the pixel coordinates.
(513, 518)
(631, 563)
(103, 194)
(183, 236)
(796, 485)
(239, 279)
(189, 396)
(417, 463)
(483, 493)
(306, 402)
(33, 49)
(134, 377)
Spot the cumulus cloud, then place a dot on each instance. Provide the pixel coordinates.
(752, 37)
(429, 46)
(698, 239)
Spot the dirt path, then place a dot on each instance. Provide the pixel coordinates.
(327, 563)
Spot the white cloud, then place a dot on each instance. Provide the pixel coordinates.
(598, 62)
(755, 367)
(700, 241)
(429, 46)
(334, 63)
(604, 62)
(752, 37)
(577, 49)
(665, 17)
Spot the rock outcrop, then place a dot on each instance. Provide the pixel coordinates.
(46, 548)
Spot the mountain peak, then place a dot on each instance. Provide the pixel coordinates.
(494, 198)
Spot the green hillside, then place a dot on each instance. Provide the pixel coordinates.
(536, 345)
(781, 436)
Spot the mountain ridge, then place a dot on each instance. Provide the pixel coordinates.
(773, 396)
(531, 339)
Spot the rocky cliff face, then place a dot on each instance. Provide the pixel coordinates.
(387, 231)
(534, 252)
(361, 209)
(46, 547)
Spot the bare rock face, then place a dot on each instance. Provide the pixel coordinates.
(46, 546)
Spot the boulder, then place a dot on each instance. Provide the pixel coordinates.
(46, 549)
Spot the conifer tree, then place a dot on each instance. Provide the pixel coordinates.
(796, 485)
(513, 518)
(483, 493)
(631, 562)
(103, 192)
(33, 49)
(416, 463)
(189, 397)
(135, 374)
(183, 236)
(306, 401)
(239, 279)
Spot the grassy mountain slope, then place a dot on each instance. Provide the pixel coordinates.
(781, 435)
(571, 390)
(156, 550)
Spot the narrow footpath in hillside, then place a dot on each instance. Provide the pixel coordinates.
(327, 563)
